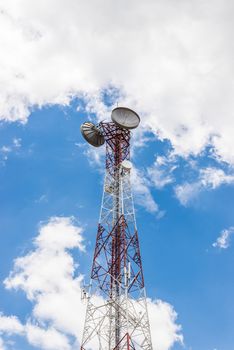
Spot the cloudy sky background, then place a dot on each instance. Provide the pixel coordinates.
(63, 62)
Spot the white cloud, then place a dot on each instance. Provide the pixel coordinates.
(161, 172)
(10, 325)
(49, 277)
(2, 346)
(186, 192)
(46, 275)
(164, 330)
(173, 63)
(142, 192)
(59, 234)
(49, 339)
(213, 177)
(209, 178)
(223, 241)
(95, 156)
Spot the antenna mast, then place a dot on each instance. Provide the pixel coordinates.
(116, 315)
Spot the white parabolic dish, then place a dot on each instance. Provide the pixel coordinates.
(126, 164)
(125, 118)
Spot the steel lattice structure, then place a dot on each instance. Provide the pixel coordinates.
(116, 315)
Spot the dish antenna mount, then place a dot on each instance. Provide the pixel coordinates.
(125, 118)
(92, 134)
(122, 117)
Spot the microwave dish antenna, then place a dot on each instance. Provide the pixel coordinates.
(125, 118)
(92, 134)
(126, 164)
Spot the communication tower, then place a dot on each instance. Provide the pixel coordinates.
(116, 314)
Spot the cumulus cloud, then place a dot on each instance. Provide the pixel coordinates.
(172, 61)
(223, 241)
(165, 331)
(209, 178)
(50, 338)
(47, 276)
(50, 278)
(10, 325)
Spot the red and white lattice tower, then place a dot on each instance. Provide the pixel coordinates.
(116, 315)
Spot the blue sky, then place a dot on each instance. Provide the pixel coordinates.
(48, 175)
(65, 62)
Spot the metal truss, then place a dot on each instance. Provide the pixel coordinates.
(116, 315)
